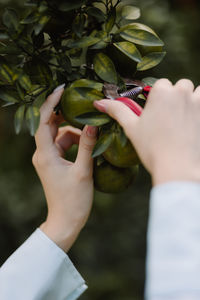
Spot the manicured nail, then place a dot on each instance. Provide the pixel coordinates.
(59, 88)
(101, 105)
(92, 131)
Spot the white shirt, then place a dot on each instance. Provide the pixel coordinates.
(40, 270)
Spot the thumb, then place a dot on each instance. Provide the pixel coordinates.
(121, 113)
(87, 141)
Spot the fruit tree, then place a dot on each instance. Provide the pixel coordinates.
(98, 49)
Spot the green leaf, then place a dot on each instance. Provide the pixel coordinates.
(150, 80)
(102, 144)
(10, 19)
(39, 71)
(97, 13)
(122, 138)
(25, 82)
(18, 119)
(8, 96)
(8, 104)
(104, 40)
(93, 118)
(31, 18)
(33, 119)
(130, 50)
(9, 49)
(141, 37)
(105, 68)
(131, 12)
(78, 25)
(84, 42)
(7, 73)
(40, 99)
(65, 62)
(40, 24)
(43, 7)
(20, 91)
(70, 5)
(37, 90)
(151, 60)
(110, 21)
(31, 3)
(87, 83)
(3, 36)
(137, 26)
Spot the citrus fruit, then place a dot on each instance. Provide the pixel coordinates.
(111, 179)
(77, 101)
(118, 153)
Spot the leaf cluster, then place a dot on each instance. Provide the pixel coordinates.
(53, 42)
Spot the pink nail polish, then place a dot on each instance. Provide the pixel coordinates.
(101, 105)
(92, 131)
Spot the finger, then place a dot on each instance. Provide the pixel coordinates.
(67, 136)
(197, 92)
(164, 82)
(185, 85)
(120, 112)
(47, 130)
(159, 89)
(49, 105)
(84, 159)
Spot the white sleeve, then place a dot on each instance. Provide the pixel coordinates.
(40, 270)
(173, 259)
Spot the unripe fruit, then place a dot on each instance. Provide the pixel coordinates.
(74, 104)
(119, 155)
(111, 179)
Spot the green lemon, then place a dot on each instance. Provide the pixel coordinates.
(111, 179)
(121, 155)
(77, 101)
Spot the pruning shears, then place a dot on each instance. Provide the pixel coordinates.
(111, 91)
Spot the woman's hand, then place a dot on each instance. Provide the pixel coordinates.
(68, 186)
(167, 134)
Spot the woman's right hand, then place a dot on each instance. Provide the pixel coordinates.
(166, 135)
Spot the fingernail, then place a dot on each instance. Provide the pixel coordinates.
(92, 131)
(101, 105)
(59, 88)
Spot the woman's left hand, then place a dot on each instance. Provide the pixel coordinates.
(68, 186)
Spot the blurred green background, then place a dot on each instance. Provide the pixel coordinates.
(110, 252)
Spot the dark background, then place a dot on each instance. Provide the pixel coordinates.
(110, 252)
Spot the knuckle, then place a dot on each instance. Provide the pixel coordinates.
(34, 158)
(40, 160)
(87, 147)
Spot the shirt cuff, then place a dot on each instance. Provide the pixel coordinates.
(173, 260)
(39, 269)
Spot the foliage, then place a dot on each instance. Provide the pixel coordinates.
(51, 43)
(115, 268)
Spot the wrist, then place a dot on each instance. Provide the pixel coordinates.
(62, 235)
(163, 174)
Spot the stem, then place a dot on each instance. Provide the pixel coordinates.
(118, 1)
(53, 65)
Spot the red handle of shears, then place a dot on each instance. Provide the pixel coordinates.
(136, 108)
